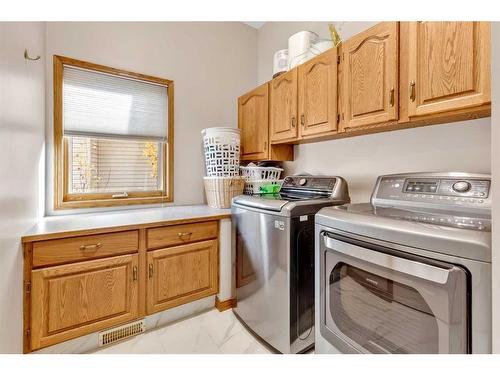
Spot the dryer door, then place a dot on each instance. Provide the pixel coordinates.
(377, 300)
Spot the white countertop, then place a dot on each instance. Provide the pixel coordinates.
(108, 220)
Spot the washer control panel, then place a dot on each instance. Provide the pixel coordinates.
(448, 187)
(447, 190)
(309, 183)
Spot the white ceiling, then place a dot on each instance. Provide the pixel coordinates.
(255, 25)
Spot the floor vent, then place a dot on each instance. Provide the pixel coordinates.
(120, 333)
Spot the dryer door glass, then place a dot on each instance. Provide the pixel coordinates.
(380, 314)
(381, 302)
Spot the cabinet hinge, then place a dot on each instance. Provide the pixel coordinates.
(28, 287)
(338, 118)
(28, 333)
(338, 59)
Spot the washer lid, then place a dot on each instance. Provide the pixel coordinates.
(256, 201)
(414, 229)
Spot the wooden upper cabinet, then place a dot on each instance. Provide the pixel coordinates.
(283, 107)
(181, 274)
(73, 300)
(317, 94)
(448, 66)
(254, 124)
(370, 79)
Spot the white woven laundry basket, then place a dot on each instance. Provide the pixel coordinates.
(222, 151)
(221, 190)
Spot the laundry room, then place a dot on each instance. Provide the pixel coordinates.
(284, 185)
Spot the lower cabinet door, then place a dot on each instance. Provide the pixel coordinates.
(181, 274)
(73, 300)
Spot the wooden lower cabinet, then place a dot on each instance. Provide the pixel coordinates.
(76, 299)
(181, 274)
(110, 278)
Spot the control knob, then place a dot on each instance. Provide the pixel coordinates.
(461, 186)
(302, 181)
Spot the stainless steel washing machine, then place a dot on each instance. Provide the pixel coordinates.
(409, 272)
(275, 259)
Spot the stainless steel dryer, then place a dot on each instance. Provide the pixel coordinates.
(409, 272)
(275, 259)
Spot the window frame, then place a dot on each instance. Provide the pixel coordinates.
(64, 200)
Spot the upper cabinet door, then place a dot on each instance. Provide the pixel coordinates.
(371, 76)
(318, 94)
(449, 66)
(283, 107)
(254, 124)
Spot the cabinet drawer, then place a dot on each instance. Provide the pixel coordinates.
(180, 234)
(51, 252)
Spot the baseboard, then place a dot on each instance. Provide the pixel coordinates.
(225, 305)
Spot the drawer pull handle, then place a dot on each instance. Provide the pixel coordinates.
(150, 273)
(93, 247)
(134, 273)
(184, 235)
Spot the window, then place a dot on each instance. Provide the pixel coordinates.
(113, 135)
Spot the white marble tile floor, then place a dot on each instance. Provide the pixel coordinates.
(211, 332)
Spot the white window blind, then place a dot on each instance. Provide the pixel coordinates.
(103, 105)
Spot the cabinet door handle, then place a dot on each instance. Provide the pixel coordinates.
(293, 121)
(93, 247)
(184, 235)
(302, 120)
(134, 273)
(150, 271)
(391, 97)
(412, 91)
(120, 195)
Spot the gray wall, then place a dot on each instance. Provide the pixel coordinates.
(463, 146)
(22, 109)
(212, 63)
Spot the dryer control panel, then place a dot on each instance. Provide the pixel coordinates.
(450, 191)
